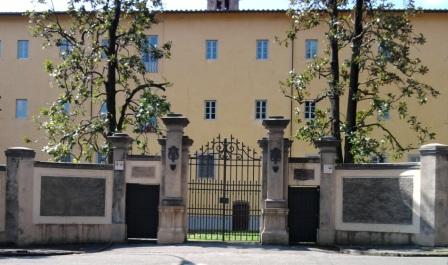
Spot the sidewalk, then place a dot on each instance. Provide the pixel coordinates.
(69, 249)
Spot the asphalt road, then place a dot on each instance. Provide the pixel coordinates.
(201, 253)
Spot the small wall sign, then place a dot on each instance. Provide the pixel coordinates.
(328, 168)
(119, 165)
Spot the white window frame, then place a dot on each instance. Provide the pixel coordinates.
(210, 109)
(211, 50)
(309, 109)
(261, 106)
(23, 54)
(308, 48)
(262, 49)
(21, 114)
(149, 61)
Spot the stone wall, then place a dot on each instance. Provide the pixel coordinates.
(304, 171)
(70, 203)
(145, 170)
(377, 203)
(2, 201)
(48, 203)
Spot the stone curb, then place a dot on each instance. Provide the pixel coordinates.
(35, 252)
(396, 252)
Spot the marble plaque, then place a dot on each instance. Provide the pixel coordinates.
(377, 200)
(72, 196)
(303, 174)
(143, 172)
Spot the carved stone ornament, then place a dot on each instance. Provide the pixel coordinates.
(173, 155)
(276, 156)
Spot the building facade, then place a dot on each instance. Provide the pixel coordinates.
(225, 67)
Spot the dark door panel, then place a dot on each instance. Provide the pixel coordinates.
(142, 216)
(303, 219)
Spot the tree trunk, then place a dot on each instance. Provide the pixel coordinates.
(111, 71)
(352, 101)
(334, 82)
(112, 66)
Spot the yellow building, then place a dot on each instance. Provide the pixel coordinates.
(225, 69)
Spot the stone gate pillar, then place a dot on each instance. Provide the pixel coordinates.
(172, 208)
(19, 195)
(433, 195)
(328, 152)
(275, 207)
(120, 143)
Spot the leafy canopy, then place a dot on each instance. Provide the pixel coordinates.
(380, 77)
(101, 44)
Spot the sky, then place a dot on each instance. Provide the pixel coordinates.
(23, 5)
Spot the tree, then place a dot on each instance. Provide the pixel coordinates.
(380, 76)
(103, 47)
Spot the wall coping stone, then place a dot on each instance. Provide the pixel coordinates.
(382, 166)
(144, 157)
(43, 164)
(434, 149)
(310, 159)
(119, 138)
(2, 167)
(20, 152)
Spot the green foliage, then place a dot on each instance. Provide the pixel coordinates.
(388, 79)
(101, 43)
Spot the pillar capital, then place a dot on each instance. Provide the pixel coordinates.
(433, 149)
(275, 122)
(187, 142)
(327, 141)
(175, 119)
(20, 152)
(263, 143)
(120, 140)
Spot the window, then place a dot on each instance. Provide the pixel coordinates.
(310, 49)
(67, 107)
(206, 166)
(211, 52)
(21, 108)
(101, 158)
(22, 49)
(383, 115)
(262, 49)
(65, 48)
(149, 126)
(384, 51)
(103, 110)
(260, 109)
(150, 60)
(210, 110)
(413, 158)
(222, 5)
(105, 46)
(66, 158)
(310, 110)
(379, 158)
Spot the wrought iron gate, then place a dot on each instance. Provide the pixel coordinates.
(224, 192)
